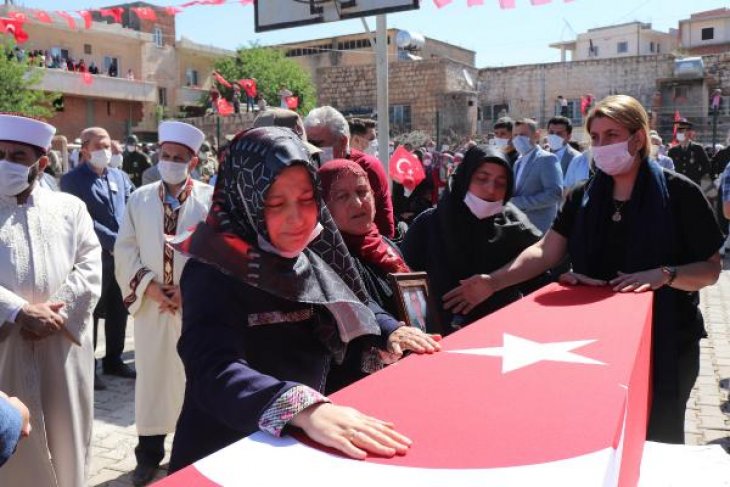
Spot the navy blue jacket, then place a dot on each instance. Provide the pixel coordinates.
(236, 368)
(105, 197)
(10, 424)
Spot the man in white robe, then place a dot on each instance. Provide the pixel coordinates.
(148, 272)
(50, 280)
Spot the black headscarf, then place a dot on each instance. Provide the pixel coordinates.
(473, 246)
(234, 236)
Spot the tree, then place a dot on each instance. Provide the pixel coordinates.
(17, 82)
(272, 71)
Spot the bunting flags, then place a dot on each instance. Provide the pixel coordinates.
(145, 13)
(172, 11)
(114, 12)
(503, 4)
(43, 16)
(69, 20)
(86, 15)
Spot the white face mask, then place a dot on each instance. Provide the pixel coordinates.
(523, 144)
(131, 148)
(116, 160)
(555, 142)
(681, 136)
(613, 159)
(13, 178)
(480, 208)
(100, 158)
(499, 142)
(173, 172)
(372, 148)
(654, 151)
(326, 155)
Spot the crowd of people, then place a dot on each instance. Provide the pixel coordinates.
(259, 281)
(45, 59)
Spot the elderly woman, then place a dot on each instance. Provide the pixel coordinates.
(635, 227)
(473, 230)
(271, 296)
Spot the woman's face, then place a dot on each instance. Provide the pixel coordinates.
(606, 131)
(489, 182)
(291, 209)
(351, 203)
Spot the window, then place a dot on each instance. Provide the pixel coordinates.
(622, 47)
(492, 112)
(87, 48)
(108, 62)
(652, 47)
(191, 77)
(708, 33)
(60, 52)
(658, 48)
(157, 36)
(109, 109)
(400, 118)
(162, 96)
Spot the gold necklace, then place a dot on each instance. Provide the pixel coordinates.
(618, 206)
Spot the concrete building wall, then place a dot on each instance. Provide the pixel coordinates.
(636, 37)
(79, 113)
(691, 31)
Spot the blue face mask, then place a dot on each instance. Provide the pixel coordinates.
(523, 144)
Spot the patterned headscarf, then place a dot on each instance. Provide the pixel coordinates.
(234, 236)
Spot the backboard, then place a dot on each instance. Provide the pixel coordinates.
(280, 14)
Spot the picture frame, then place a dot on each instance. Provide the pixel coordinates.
(416, 305)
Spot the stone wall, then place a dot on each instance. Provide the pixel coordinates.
(428, 87)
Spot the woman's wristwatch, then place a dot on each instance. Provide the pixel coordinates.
(671, 274)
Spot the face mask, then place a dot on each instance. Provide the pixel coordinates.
(326, 155)
(499, 142)
(100, 158)
(13, 178)
(654, 151)
(480, 208)
(523, 144)
(372, 148)
(173, 172)
(613, 159)
(681, 137)
(116, 160)
(131, 148)
(555, 142)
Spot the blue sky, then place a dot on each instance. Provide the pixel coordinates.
(500, 37)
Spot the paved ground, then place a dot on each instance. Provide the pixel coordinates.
(708, 414)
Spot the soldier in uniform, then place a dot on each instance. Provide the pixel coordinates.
(135, 161)
(690, 159)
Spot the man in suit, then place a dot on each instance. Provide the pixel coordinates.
(689, 157)
(538, 177)
(560, 130)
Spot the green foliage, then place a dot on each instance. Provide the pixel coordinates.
(16, 87)
(272, 71)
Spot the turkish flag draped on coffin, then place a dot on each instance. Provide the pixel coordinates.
(552, 390)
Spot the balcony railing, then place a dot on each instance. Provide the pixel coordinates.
(72, 83)
(189, 96)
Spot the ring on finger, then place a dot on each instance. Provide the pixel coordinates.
(353, 434)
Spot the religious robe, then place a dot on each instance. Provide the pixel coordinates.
(49, 252)
(142, 255)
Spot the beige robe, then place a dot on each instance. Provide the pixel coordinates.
(141, 256)
(49, 252)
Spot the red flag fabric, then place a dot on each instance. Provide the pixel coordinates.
(190, 4)
(87, 78)
(292, 102)
(69, 19)
(249, 86)
(506, 4)
(43, 16)
(224, 108)
(246, 2)
(583, 351)
(441, 3)
(14, 27)
(474, 3)
(86, 15)
(220, 79)
(145, 13)
(18, 16)
(114, 12)
(172, 11)
(406, 169)
(212, 2)
(677, 118)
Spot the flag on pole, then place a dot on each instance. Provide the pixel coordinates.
(221, 80)
(224, 108)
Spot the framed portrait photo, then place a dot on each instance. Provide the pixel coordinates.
(416, 306)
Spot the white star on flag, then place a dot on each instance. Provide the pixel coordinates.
(519, 352)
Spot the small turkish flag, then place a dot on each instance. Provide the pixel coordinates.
(224, 108)
(145, 13)
(249, 86)
(406, 169)
(87, 78)
(292, 102)
(14, 27)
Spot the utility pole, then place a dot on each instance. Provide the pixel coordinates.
(381, 70)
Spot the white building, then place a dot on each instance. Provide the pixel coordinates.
(706, 32)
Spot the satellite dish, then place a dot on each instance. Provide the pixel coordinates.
(409, 41)
(468, 79)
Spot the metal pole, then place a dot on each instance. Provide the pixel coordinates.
(217, 132)
(714, 127)
(381, 71)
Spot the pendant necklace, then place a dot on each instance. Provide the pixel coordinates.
(618, 206)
